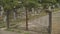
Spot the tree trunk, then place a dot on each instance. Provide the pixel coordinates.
(0, 11)
(7, 20)
(50, 22)
(26, 19)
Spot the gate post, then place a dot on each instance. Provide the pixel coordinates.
(50, 21)
(26, 19)
(7, 20)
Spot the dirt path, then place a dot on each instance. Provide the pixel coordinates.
(37, 26)
(7, 32)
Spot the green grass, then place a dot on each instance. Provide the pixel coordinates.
(17, 30)
(2, 24)
(26, 33)
(56, 10)
(13, 30)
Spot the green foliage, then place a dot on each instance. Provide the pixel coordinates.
(58, 1)
(48, 1)
(30, 3)
(9, 4)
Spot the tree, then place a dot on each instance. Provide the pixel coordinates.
(46, 6)
(8, 5)
(29, 4)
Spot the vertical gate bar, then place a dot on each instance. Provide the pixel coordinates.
(7, 14)
(26, 19)
(50, 22)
